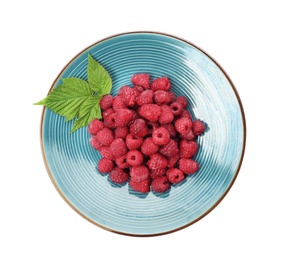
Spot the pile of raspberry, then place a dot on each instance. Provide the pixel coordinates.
(146, 136)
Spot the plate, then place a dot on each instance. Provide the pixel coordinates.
(71, 162)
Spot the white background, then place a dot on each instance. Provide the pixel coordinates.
(39, 38)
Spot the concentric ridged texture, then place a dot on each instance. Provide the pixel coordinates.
(72, 162)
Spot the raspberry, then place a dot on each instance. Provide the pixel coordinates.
(157, 161)
(160, 184)
(160, 136)
(122, 117)
(152, 126)
(107, 112)
(139, 173)
(95, 143)
(172, 161)
(171, 128)
(198, 127)
(183, 125)
(138, 88)
(109, 120)
(185, 113)
(150, 112)
(142, 186)
(166, 116)
(118, 147)
(134, 158)
(95, 126)
(106, 153)
(105, 136)
(173, 96)
(121, 132)
(170, 149)
(138, 128)
(188, 166)
(105, 165)
(187, 149)
(118, 175)
(133, 142)
(146, 97)
(176, 108)
(182, 100)
(157, 173)
(175, 175)
(161, 84)
(121, 162)
(106, 102)
(141, 79)
(149, 147)
(128, 95)
(190, 136)
(162, 97)
(118, 103)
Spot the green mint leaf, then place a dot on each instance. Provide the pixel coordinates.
(89, 110)
(98, 78)
(67, 98)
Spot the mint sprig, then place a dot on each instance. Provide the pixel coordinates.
(79, 99)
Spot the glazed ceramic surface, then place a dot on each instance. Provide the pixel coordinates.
(72, 163)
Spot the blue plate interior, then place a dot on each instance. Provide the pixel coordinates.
(72, 163)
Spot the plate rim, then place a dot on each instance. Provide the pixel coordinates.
(243, 123)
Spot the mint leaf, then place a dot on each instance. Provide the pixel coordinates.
(67, 98)
(98, 78)
(90, 109)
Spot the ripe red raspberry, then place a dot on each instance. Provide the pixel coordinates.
(187, 149)
(138, 88)
(95, 143)
(151, 126)
(171, 128)
(182, 100)
(142, 186)
(160, 136)
(167, 115)
(151, 112)
(172, 161)
(106, 153)
(128, 95)
(105, 136)
(188, 166)
(139, 173)
(198, 127)
(157, 161)
(157, 173)
(173, 96)
(106, 102)
(122, 117)
(105, 165)
(139, 128)
(107, 112)
(162, 97)
(185, 113)
(118, 147)
(175, 175)
(141, 79)
(162, 83)
(95, 126)
(149, 147)
(118, 103)
(109, 120)
(190, 136)
(146, 97)
(118, 175)
(183, 125)
(121, 162)
(133, 142)
(121, 132)
(160, 184)
(176, 108)
(170, 149)
(134, 158)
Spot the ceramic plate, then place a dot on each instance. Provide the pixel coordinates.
(71, 162)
